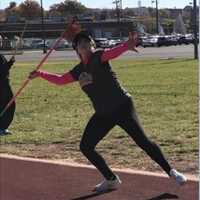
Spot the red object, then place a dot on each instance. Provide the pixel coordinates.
(67, 77)
(114, 52)
(56, 78)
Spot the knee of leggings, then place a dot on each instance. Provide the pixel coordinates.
(85, 148)
(147, 145)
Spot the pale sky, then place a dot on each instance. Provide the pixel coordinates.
(109, 4)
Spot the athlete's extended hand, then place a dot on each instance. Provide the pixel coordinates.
(132, 41)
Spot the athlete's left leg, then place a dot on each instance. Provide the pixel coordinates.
(130, 123)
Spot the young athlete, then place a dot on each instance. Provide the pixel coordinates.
(112, 103)
(5, 94)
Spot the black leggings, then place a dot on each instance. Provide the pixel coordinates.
(5, 96)
(126, 118)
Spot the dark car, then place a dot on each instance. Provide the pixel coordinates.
(139, 41)
(153, 41)
(114, 42)
(101, 42)
(186, 39)
(170, 40)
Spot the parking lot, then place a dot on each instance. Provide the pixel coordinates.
(183, 51)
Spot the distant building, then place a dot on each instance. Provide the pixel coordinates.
(142, 11)
(100, 28)
(174, 12)
(2, 16)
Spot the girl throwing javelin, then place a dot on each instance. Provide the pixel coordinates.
(112, 104)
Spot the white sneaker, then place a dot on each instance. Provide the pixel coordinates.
(107, 185)
(179, 178)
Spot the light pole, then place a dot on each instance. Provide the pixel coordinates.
(195, 29)
(157, 16)
(43, 29)
(152, 16)
(118, 4)
(157, 25)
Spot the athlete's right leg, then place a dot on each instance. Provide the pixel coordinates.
(95, 131)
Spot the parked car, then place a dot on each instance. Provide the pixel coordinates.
(185, 39)
(26, 43)
(153, 41)
(114, 42)
(139, 41)
(101, 42)
(170, 40)
(40, 45)
(189, 38)
(145, 41)
(35, 43)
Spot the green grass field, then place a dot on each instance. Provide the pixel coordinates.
(50, 120)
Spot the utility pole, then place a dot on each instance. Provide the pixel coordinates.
(43, 29)
(118, 4)
(157, 18)
(157, 15)
(195, 29)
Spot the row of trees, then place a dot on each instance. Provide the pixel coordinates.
(31, 9)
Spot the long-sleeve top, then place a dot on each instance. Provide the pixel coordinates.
(97, 79)
(108, 54)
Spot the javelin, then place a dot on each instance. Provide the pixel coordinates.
(37, 68)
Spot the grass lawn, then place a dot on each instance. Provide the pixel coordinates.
(50, 120)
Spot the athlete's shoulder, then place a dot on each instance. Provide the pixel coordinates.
(76, 71)
(97, 54)
(78, 65)
(98, 51)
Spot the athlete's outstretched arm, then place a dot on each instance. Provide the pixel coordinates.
(114, 52)
(53, 78)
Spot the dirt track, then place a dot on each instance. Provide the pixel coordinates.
(26, 179)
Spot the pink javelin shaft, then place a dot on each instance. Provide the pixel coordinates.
(37, 68)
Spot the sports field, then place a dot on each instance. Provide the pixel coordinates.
(50, 120)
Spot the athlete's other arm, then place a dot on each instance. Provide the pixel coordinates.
(114, 52)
